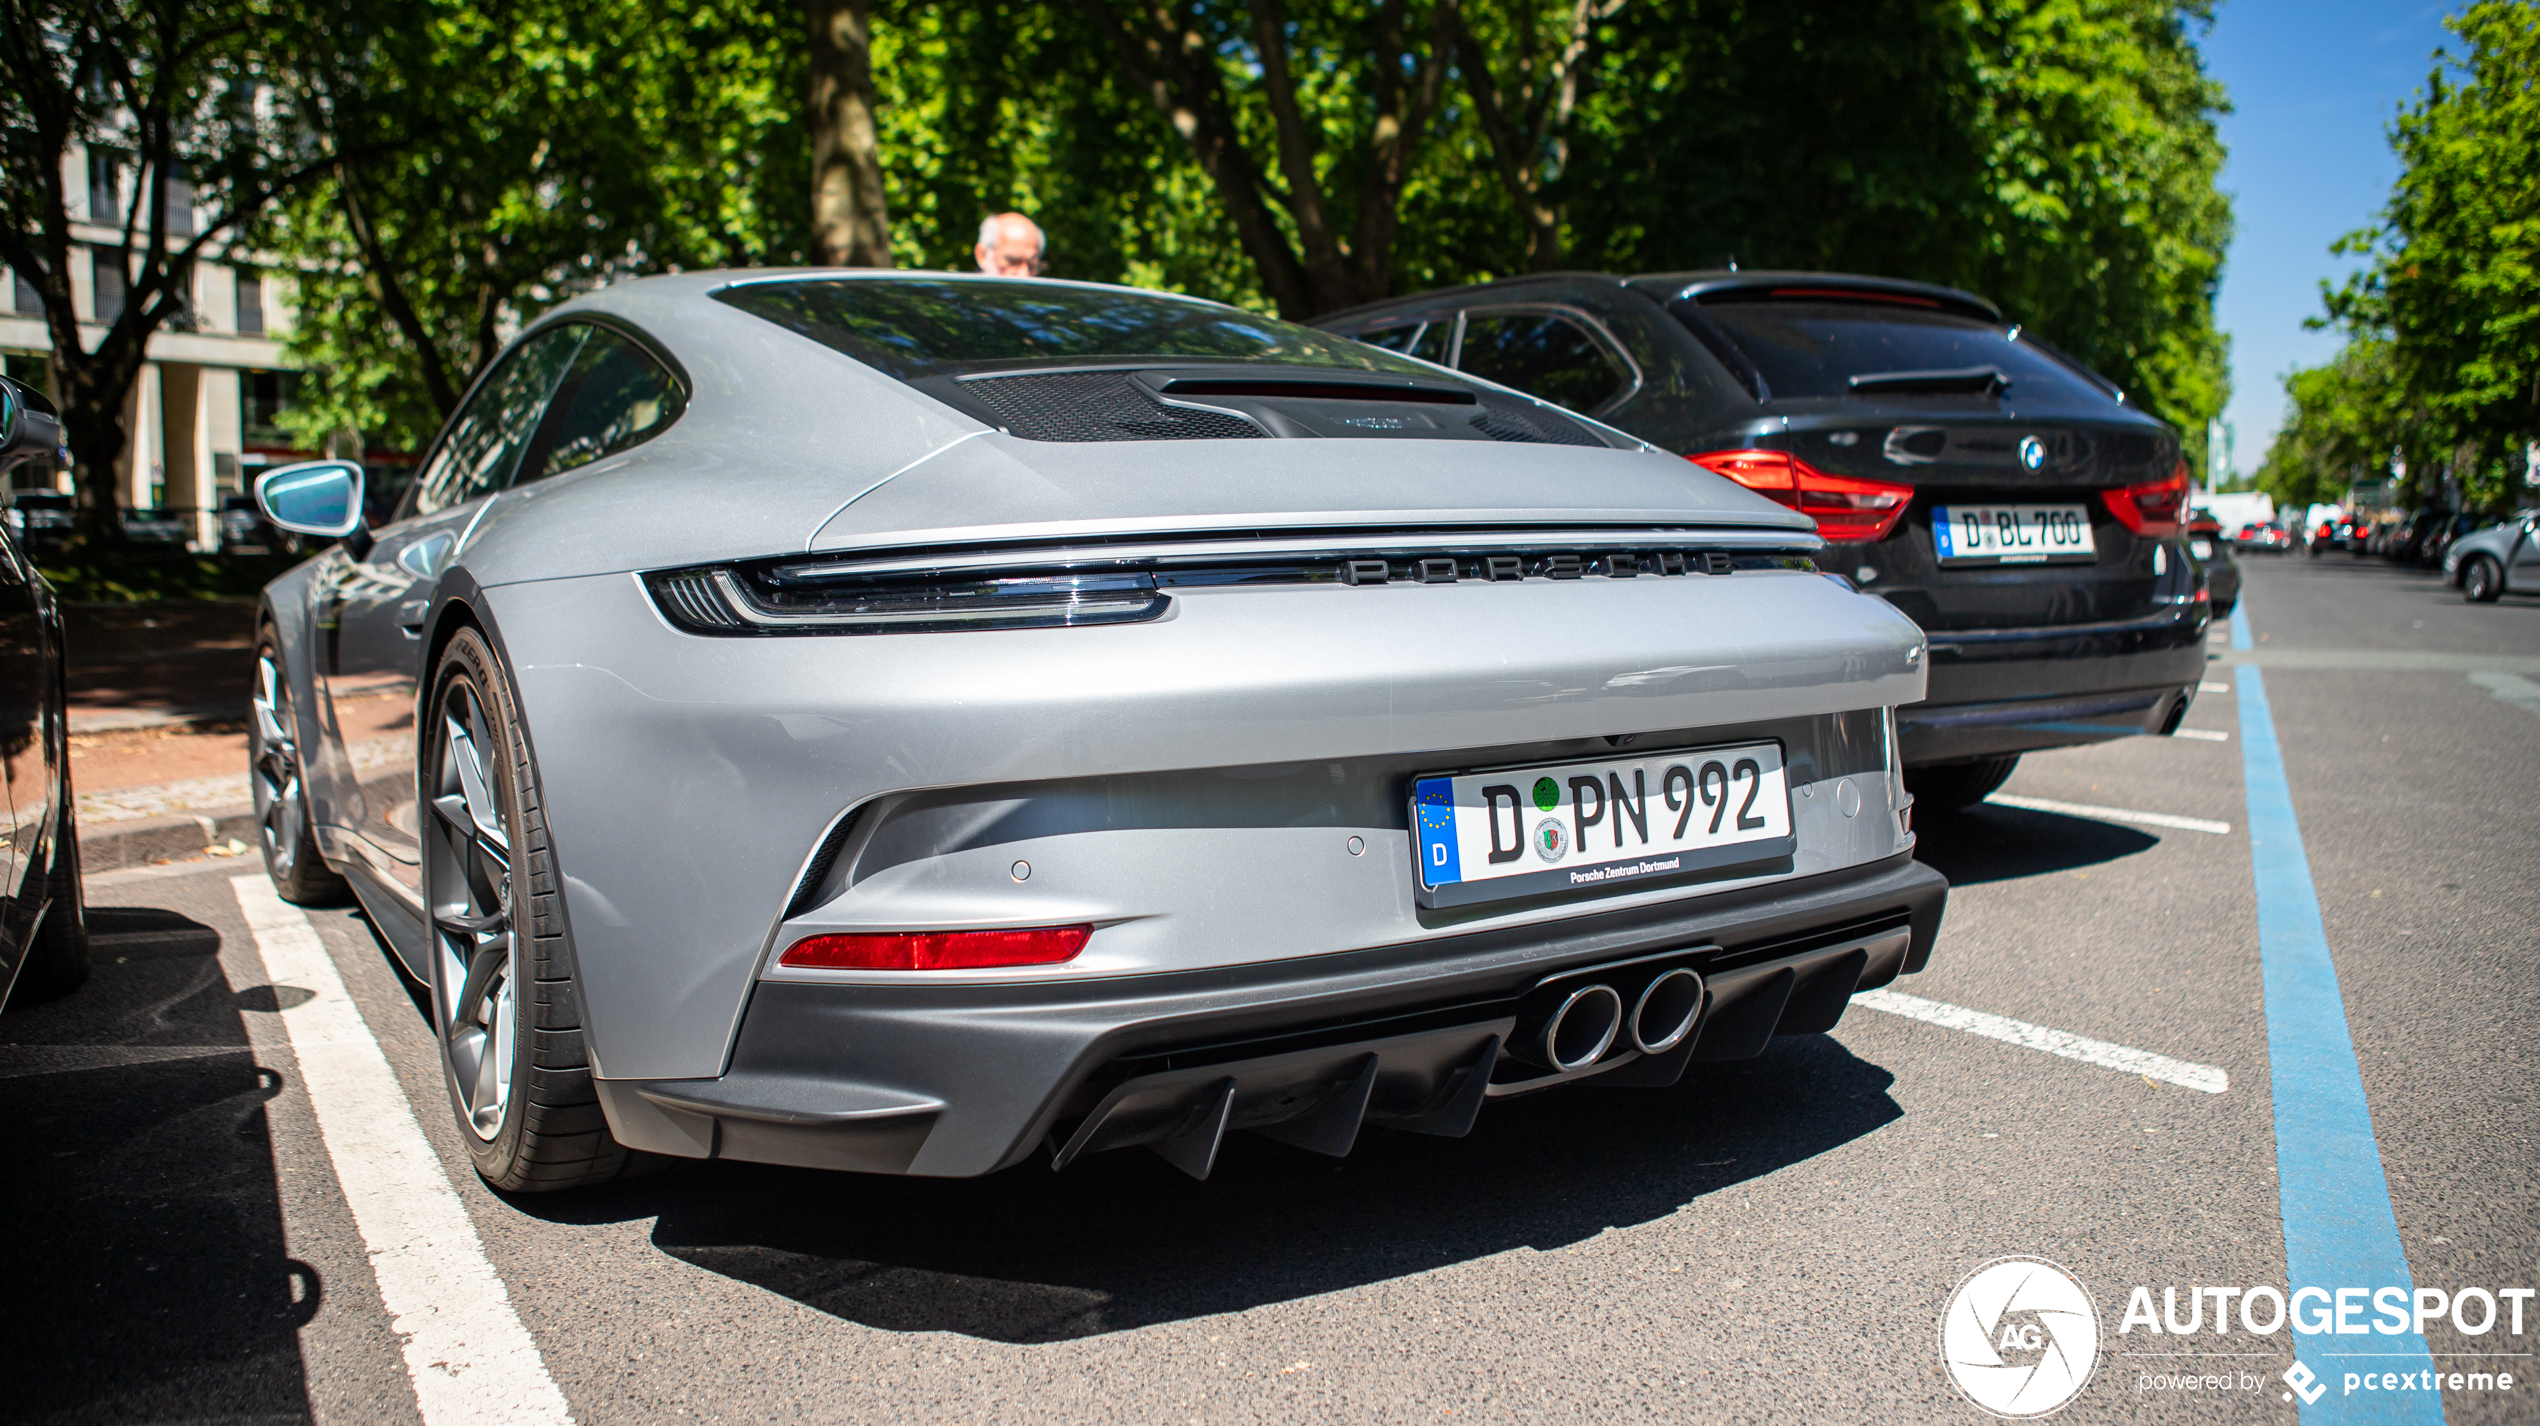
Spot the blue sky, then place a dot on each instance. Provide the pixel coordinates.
(2314, 84)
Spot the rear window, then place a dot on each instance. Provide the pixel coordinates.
(924, 327)
(1815, 349)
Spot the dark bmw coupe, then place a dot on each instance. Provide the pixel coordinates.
(2013, 502)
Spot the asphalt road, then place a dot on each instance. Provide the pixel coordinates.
(1772, 1240)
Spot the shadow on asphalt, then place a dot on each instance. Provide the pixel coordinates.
(141, 1198)
(1990, 843)
(1123, 1240)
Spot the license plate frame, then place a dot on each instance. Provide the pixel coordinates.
(2013, 534)
(1645, 858)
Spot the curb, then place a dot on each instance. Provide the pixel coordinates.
(118, 846)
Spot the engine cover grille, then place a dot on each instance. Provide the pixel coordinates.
(1099, 406)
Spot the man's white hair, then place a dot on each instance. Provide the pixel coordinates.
(988, 232)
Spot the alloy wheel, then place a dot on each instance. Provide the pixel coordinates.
(470, 883)
(274, 772)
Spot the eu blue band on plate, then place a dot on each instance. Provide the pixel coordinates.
(1434, 798)
(1944, 534)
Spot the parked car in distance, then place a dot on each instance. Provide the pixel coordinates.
(243, 527)
(990, 717)
(2222, 572)
(2502, 559)
(2014, 503)
(43, 915)
(2263, 538)
(2413, 538)
(145, 526)
(40, 519)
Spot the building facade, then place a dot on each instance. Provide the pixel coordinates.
(201, 419)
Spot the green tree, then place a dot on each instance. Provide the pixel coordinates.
(2453, 288)
(499, 157)
(164, 95)
(2057, 156)
(2346, 419)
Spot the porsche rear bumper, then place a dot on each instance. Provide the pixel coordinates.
(956, 1080)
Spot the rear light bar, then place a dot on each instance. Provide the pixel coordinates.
(2151, 509)
(1847, 509)
(937, 950)
(720, 601)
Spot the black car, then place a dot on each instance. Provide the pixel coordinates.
(43, 920)
(2222, 566)
(2017, 505)
(40, 519)
(243, 526)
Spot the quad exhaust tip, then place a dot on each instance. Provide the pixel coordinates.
(1581, 1028)
(1666, 1011)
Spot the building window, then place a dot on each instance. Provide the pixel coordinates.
(251, 303)
(262, 395)
(105, 186)
(180, 207)
(113, 281)
(23, 298)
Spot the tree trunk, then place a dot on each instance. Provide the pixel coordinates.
(850, 223)
(93, 427)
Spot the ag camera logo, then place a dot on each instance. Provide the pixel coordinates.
(2019, 1337)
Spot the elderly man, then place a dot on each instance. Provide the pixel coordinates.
(1010, 245)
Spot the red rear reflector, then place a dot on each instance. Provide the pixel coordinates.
(1846, 508)
(2152, 508)
(937, 950)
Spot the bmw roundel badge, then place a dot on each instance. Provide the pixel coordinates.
(2032, 452)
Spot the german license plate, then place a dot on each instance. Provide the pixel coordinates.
(2203, 549)
(2011, 534)
(1603, 826)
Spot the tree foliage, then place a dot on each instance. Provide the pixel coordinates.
(164, 95)
(2441, 366)
(496, 158)
(1298, 155)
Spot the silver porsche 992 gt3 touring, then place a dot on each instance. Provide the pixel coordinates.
(907, 723)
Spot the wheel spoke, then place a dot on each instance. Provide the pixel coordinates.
(475, 786)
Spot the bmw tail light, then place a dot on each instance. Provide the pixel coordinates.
(1846, 508)
(937, 950)
(2153, 508)
(727, 601)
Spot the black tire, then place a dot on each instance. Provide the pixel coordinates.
(1955, 787)
(58, 961)
(543, 1130)
(2481, 581)
(277, 776)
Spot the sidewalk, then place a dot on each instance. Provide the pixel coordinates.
(158, 725)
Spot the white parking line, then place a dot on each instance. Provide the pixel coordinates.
(2511, 688)
(468, 1355)
(2208, 1078)
(2111, 814)
(2202, 735)
(2209, 686)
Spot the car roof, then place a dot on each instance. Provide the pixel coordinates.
(1707, 283)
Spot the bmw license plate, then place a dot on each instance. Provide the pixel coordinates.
(1605, 826)
(2011, 534)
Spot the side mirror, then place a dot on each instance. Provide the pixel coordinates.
(28, 431)
(319, 497)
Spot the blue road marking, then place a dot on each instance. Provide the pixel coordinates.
(2339, 1231)
(2240, 625)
